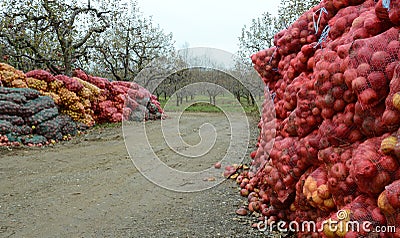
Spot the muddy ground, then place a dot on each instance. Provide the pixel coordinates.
(89, 187)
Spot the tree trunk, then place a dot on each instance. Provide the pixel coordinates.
(192, 97)
(127, 56)
(177, 100)
(213, 100)
(67, 64)
(238, 96)
(253, 102)
(186, 98)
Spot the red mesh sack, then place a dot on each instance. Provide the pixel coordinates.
(391, 116)
(70, 83)
(389, 203)
(369, 59)
(382, 12)
(282, 182)
(394, 12)
(351, 220)
(348, 25)
(305, 30)
(305, 118)
(370, 169)
(370, 121)
(333, 93)
(106, 111)
(116, 90)
(341, 130)
(42, 75)
(101, 83)
(284, 157)
(340, 184)
(266, 64)
(126, 84)
(267, 135)
(317, 192)
(80, 74)
(342, 21)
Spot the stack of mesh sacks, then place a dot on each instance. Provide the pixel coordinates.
(335, 76)
(121, 100)
(31, 119)
(87, 99)
(70, 95)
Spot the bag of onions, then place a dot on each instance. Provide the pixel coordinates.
(340, 184)
(389, 203)
(371, 169)
(357, 219)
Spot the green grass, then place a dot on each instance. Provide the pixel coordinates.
(203, 107)
(201, 104)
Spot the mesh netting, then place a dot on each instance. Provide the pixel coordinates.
(41, 116)
(36, 105)
(35, 139)
(41, 75)
(13, 97)
(15, 120)
(26, 92)
(70, 83)
(5, 127)
(371, 169)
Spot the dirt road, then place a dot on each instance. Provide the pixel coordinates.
(89, 187)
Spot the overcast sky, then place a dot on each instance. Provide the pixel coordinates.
(206, 23)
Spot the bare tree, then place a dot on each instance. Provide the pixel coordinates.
(51, 34)
(257, 36)
(290, 11)
(131, 44)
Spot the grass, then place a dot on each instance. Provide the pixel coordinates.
(201, 104)
(203, 107)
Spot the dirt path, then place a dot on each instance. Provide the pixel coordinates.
(89, 187)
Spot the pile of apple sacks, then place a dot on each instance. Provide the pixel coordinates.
(86, 99)
(335, 74)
